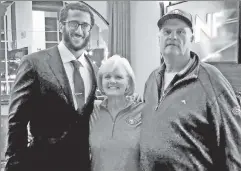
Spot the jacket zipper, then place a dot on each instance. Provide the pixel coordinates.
(113, 127)
(114, 120)
(161, 100)
(113, 123)
(165, 94)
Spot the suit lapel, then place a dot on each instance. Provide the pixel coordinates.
(57, 67)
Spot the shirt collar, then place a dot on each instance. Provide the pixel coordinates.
(83, 60)
(67, 56)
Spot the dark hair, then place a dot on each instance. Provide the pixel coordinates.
(75, 6)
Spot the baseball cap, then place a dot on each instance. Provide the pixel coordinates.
(176, 14)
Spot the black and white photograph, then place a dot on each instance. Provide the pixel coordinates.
(120, 85)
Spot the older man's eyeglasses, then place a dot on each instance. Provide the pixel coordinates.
(74, 25)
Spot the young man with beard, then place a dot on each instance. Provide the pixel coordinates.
(54, 93)
(191, 120)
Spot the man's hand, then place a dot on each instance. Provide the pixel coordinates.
(135, 97)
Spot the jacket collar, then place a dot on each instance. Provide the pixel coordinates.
(56, 65)
(105, 101)
(190, 71)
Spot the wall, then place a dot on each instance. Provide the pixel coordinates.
(101, 7)
(9, 25)
(100, 33)
(144, 41)
(38, 41)
(23, 23)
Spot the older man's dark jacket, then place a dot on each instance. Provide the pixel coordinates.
(41, 97)
(194, 125)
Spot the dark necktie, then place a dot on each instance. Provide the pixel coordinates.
(79, 88)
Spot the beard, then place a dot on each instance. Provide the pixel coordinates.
(71, 45)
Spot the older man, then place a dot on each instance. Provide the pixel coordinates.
(191, 119)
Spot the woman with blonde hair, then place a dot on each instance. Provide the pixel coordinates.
(115, 122)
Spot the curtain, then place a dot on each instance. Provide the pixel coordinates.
(119, 28)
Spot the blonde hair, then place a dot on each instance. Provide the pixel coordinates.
(110, 65)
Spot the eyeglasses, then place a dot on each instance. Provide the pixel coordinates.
(75, 25)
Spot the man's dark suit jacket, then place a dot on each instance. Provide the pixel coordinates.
(41, 96)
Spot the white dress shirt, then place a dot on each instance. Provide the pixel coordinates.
(85, 71)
